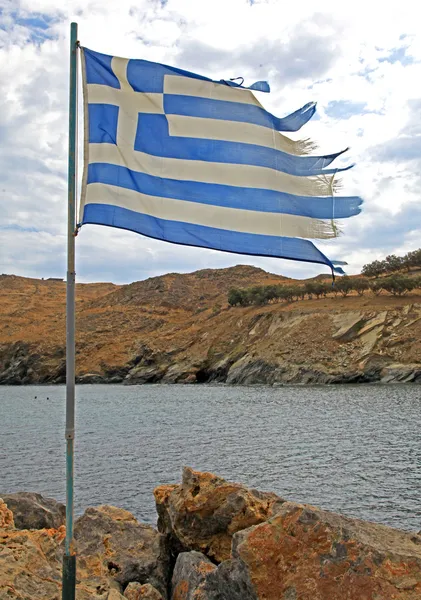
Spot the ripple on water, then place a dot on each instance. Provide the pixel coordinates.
(351, 449)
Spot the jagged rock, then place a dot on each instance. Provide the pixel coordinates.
(30, 565)
(401, 374)
(33, 511)
(114, 595)
(6, 516)
(111, 545)
(349, 326)
(147, 366)
(90, 378)
(145, 374)
(307, 553)
(205, 511)
(22, 364)
(111, 540)
(369, 376)
(230, 581)
(247, 370)
(180, 373)
(190, 573)
(136, 591)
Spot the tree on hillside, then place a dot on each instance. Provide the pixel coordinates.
(360, 286)
(344, 285)
(398, 285)
(374, 269)
(412, 259)
(394, 263)
(235, 297)
(376, 286)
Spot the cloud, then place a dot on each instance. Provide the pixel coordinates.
(365, 80)
(407, 145)
(306, 53)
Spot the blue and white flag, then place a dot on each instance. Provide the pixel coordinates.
(181, 158)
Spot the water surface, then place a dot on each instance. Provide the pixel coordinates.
(350, 449)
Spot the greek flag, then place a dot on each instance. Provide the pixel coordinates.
(182, 158)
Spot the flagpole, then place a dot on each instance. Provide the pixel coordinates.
(69, 558)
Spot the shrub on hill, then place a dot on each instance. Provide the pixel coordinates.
(397, 285)
(392, 264)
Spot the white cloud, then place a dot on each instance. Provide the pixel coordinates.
(368, 55)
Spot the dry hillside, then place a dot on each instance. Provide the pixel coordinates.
(180, 328)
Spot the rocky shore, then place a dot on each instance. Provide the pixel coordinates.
(215, 540)
(180, 329)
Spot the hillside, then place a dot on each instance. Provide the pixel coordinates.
(180, 328)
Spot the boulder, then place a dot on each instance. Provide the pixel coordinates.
(230, 581)
(205, 511)
(136, 591)
(30, 565)
(6, 517)
(305, 553)
(113, 549)
(396, 373)
(33, 511)
(91, 378)
(190, 573)
(196, 578)
(110, 540)
(248, 371)
(114, 594)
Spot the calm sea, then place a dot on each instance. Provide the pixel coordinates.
(351, 449)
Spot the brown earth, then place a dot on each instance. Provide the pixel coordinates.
(180, 328)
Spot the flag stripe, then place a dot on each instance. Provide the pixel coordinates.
(143, 102)
(223, 195)
(187, 86)
(205, 237)
(215, 92)
(153, 138)
(231, 131)
(209, 108)
(245, 221)
(221, 173)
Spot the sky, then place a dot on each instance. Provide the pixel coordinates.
(361, 63)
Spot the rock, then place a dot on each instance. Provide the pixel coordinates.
(181, 372)
(6, 516)
(397, 373)
(136, 591)
(111, 540)
(205, 511)
(196, 578)
(145, 374)
(349, 325)
(22, 364)
(306, 553)
(369, 376)
(190, 573)
(33, 511)
(113, 549)
(114, 594)
(148, 366)
(247, 371)
(30, 565)
(230, 581)
(90, 378)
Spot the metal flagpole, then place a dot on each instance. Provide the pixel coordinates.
(69, 558)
